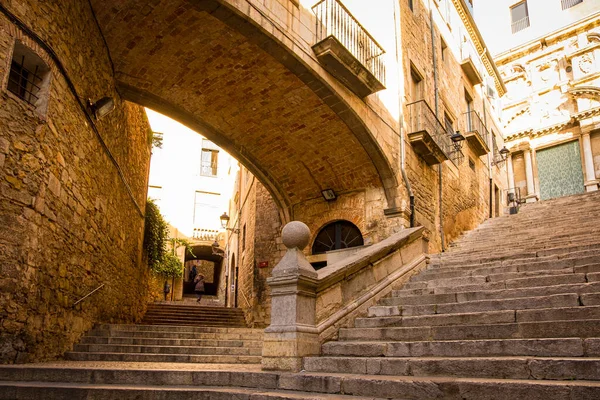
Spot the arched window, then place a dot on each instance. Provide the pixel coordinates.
(337, 235)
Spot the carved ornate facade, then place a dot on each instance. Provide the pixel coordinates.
(551, 113)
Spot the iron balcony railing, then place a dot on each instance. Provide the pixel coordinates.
(473, 123)
(570, 3)
(422, 118)
(520, 24)
(334, 19)
(208, 168)
(205, 234)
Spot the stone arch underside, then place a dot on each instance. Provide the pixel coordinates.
(213, 70)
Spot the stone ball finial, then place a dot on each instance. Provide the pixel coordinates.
(295, 234)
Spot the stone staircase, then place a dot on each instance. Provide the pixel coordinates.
(193, 315)
(171, 344)
(175, 333)
(514, 305)
(511, 311)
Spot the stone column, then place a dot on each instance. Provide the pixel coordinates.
(511, 174)
(531, 196)
(591, 183)
(292, 334)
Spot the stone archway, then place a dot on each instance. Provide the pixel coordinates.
(214, 68)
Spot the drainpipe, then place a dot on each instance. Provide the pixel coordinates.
(400, 119)
(437, 100)
(489, 138)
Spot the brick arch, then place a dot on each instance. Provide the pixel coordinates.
(211, 66)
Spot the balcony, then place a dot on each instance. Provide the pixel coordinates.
(520, 24)
(346, 50)
(569, 3)
(471, 64)
(476, 133)
(427, 135)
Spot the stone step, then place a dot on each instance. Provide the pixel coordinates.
(146, 349)
(162, 358)
(499, 274)
(184, 329)
(64, 391)
(113, 383)
(188, 322)
(481, 318)
(518, 330)
(537, 240)
(572, 368)
(471, 260)
(513, 288)
(170, 342)
(176, 332)
(154, 334)
(560, 347)
(461, 263)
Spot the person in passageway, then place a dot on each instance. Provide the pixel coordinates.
(199, 288)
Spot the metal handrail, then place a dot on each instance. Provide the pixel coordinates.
(422, 118)
(334, 19)
(88, 295)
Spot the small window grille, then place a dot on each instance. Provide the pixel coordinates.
(337, 235)
(29, 76)
(570, 3)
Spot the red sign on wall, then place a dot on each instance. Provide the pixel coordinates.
(263, 264)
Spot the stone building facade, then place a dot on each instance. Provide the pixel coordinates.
(550, 61)
(72, 187)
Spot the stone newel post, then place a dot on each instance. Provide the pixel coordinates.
(292, 333)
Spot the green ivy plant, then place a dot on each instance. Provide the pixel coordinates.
(162, 262)
(156, 232)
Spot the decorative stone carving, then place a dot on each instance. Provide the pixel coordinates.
(586, 63)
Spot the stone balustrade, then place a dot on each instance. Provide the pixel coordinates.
(308, 307)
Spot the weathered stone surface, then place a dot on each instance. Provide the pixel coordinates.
(69, 196)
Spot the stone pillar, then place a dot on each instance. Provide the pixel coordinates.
(531, 196)
(292, 334)
(511, 174)
(591, 183)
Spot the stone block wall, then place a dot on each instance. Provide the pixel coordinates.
(71, 208)
(465, 182)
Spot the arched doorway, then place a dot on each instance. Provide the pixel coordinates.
(207, 263)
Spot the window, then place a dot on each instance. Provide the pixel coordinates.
(206, 206)
(469, 101)
(29, 77)
(209, 159)
(570, 3)
(337, 235)
(519, 16)
(416, 85)
(444, 47)
(448, 124)
(471, 164)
